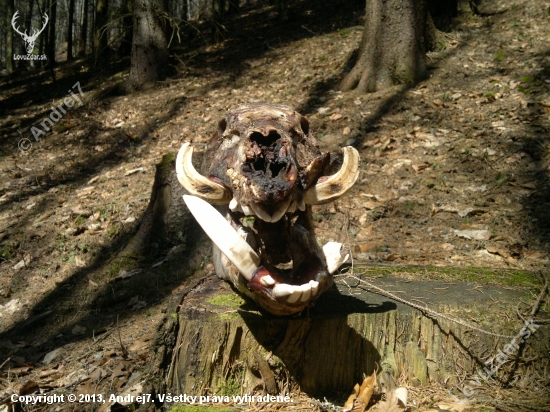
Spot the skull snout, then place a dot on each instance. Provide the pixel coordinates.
(269, 157)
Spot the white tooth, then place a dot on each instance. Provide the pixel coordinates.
(333, 257)
(306, 292)
(246, 210)
(267, 280)
(281, 211)
(314, 287)
(292, 207)
(262, 214)
(233, 204)
(302, 205)
(282, 289)
(294, 296)
(224, 236)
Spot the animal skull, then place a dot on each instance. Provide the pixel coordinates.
(264, 170)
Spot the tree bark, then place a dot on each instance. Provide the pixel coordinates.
(392, 49)
(70, 55)
(101, 38)
(126, 9)
(84, 30)
(10, 65)
(149, 47)
(50, 49)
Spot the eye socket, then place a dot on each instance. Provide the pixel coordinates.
(304, 124)
(222, 125)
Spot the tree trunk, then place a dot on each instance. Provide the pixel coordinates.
(127, 31)
(392, 49)
(50, 49)
(70, 55)
(28, 24)
(234, 7)
(218, 16)
(149, 46)
(84, 30)
(10, 66)
(185, 10)
(101, 38)
(43, 40)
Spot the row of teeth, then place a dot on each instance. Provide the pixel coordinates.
(241, 254)
(252, 209)
(300, 293)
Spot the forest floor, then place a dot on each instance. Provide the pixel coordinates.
(455, 173)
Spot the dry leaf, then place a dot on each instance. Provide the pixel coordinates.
(336, 116)
(360, 397)
(452, 406)
(351, 399)
(396, 401)
(473, 234)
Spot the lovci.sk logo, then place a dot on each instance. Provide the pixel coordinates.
(29, 40)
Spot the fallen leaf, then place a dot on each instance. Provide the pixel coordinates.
(335, 116)
(396, 401)
(473, 234)
(360, 397)
(28, 387)
(452, 406)
(133, 171)
(461, 211)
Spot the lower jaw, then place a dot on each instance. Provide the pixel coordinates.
(289, 291)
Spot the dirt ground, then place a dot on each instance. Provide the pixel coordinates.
(454, 173)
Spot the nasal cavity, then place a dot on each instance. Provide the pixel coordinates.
(265, 141)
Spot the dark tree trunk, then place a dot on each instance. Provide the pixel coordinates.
(392, 49)
(9, 40)
(127, 7)
(43, 40)
(70, 55)
(50, 47)
(101, 44)
(184, 10)
(282, 9)
(84, 30)
(218, 16)
(149, 46)
(234, 7)
(28, 23)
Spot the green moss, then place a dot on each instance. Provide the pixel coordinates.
(166, 162)
(504, 277)
(232, 385)
(118, 264)
(231, 300)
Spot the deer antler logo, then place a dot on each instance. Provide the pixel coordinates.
(29, 40)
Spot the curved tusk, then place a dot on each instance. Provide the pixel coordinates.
(337, 184)
(219, 230)
(195, 183)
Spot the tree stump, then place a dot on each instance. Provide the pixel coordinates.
(214, 341)
(221, 344)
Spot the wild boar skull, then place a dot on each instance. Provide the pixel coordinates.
(264, 170)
